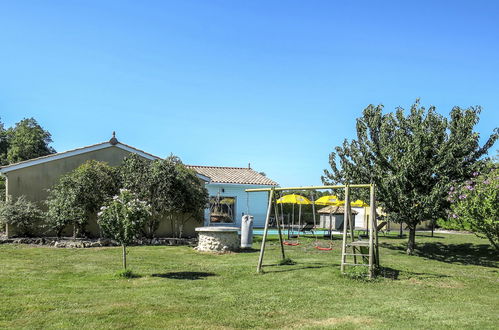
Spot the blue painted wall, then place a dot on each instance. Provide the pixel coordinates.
(254, 203)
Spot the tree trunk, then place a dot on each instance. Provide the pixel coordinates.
(401, 230)
(432, 227)
(124, 256)
(411, 243)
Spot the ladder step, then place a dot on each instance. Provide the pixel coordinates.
(359, 243)
(357, 254)
(347, 264)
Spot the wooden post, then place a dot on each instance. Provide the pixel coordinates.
(376, 228)
(372, 228)
(344, 244)
(276, 212)
(348, 210)
(299, 220)
(124, 256)
(264, 239)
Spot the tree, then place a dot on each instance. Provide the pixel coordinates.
(191, 198)
(4, 144)
(475, 205)
(27, 140)
(122, 218)
(79, 194)
(412, 159)
(168, 186)
(21, 213)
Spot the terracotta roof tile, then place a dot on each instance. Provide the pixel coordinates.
(235, 175)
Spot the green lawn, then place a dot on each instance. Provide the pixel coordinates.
(452, 283)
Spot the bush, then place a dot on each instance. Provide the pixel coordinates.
(475, 206)
(79, 194)
(22, 213)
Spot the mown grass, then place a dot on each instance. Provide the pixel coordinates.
(452, 282)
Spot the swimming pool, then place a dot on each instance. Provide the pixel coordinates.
(285, 232)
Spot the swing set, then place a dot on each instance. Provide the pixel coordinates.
(363, 252)
(300, 200)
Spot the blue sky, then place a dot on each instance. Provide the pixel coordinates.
(274, 83)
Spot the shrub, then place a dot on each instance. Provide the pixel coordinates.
(22, 213)
(79, 194)
(475, 205)
(123, 217)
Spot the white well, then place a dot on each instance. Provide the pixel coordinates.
(218, 239)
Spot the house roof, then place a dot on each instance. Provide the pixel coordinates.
(234, 175)
(332, 209)
(73, 152)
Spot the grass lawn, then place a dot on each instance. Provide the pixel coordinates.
(453, 282)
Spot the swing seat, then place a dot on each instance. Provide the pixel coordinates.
(320, 248)
(290, 243)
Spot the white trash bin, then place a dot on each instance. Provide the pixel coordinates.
(246, 232)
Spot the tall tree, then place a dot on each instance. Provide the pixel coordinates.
(413, 159)
(27, 140)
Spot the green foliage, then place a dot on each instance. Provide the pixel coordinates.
(79, 195)
(122, 217)
(27, 140)
(21, 213)
(4, 145)
(168, 186)
(475, 205)
(411, 158)
(24, 141)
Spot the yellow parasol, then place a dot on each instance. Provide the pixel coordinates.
(294, 199)
(358, 203)
(329, 200)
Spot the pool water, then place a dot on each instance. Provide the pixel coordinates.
(285, 232)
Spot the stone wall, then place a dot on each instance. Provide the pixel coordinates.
(213, 241)
(87, 243)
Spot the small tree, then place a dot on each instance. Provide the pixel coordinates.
(21, 213)
(79, 194)
(475, 206)
(168, 186)
(123, 217)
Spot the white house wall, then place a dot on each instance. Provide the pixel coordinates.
(254, 203)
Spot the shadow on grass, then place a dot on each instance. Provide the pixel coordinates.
(248, 250)
(184, 275)
(387, 272)
(466, 253)
(293, 267)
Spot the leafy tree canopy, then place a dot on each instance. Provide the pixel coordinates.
(412, 158)
(167, 185)
(475, 205)
(26, 140)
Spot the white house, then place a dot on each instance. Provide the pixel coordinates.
(228, 199)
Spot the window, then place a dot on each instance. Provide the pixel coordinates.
(222, 209)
